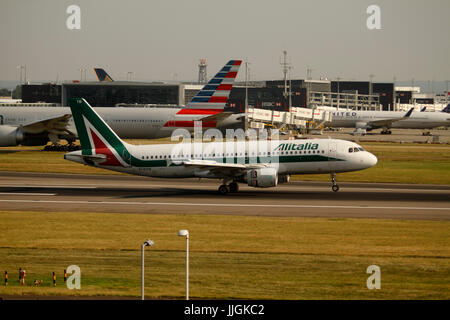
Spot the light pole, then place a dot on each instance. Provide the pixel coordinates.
(246, 96)
(147, 243)
(21, 67)
(185, 233)
(370, 90)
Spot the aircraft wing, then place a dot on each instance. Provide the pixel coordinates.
(217, 117)
(56, 125)
(388, 122)
(226, 169)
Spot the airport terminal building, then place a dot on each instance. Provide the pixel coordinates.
(274, 95)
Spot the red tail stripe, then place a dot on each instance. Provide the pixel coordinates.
(199, 111)
(224, 87)
(218, 99)
(101, 148)
(231, 74)
(189, 124)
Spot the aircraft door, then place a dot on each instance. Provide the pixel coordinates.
(127, 157)
(332, 153)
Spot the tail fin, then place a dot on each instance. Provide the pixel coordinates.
(446, 109)
(102, 75)
(96, 137)
(423, 109)
(215, 93)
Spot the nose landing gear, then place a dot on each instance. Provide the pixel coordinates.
(335, 187)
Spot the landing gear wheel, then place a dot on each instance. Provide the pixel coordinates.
(335, 187)
(223, 189)
(234, 187)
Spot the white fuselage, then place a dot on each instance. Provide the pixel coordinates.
(417, 120)
(287, 156)
(127, 122)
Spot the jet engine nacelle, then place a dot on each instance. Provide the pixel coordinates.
(10, 136)
(262, 178)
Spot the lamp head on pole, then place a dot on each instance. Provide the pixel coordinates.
(148, 243)
(183, 233)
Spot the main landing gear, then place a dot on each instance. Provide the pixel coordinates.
(232, 187)
(386, 131)
(335, 187)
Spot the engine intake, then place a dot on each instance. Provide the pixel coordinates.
(10, 136)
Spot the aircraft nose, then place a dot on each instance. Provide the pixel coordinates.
(371, 160)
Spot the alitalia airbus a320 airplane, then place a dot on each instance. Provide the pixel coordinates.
(258, 163)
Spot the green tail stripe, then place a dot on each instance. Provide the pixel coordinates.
(80, 108)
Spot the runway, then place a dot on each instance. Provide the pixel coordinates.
(133, 194)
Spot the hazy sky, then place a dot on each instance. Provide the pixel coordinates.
(164, 39)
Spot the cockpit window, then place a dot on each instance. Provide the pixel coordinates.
(361, 149)
(355, 149)
(350, 150)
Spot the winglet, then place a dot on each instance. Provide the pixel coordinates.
(408, 114)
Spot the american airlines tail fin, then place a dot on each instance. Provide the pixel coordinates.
(99, 143)
(215, 93)
(446, 109)
(102, 75)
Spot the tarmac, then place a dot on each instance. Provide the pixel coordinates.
(47, 192)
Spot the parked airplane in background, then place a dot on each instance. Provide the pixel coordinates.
(364, 121)
(258, 163)
(102, 75)
(38, 125)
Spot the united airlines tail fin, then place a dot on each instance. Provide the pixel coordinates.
(214, 95)
(99, 143)
(446, 109)
(102, 75)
